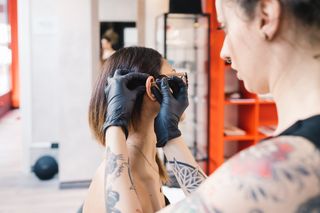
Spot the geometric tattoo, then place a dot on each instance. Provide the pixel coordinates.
(188, 177)
(112, 199)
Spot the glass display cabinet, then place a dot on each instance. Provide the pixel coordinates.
(183, 39)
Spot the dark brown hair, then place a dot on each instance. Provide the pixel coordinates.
(305, 12)
(133, 59)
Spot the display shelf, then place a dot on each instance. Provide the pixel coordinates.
(238, 137)
(241, 101)
(267, 114)
(183, 40)
(269, 122)
(260, 101)
(245, 144)
(262, 136)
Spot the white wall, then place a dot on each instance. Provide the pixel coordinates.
(118, 10)
(59, 59)
(25, 79)
(153, 8)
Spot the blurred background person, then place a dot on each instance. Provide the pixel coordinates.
(109, 39)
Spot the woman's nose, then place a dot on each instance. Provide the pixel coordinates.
(224, 53)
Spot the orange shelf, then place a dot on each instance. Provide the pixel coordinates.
(240, 101)
(268, 123)
(265, 101)
(238, 138)
(262, 136)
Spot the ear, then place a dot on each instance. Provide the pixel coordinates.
(149, 93)
(269, 12)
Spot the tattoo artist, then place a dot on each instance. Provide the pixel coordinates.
(275, 47)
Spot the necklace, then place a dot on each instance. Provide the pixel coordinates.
(145, 158)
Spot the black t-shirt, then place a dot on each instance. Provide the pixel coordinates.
(308, 128)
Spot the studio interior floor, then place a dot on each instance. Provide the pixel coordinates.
(22, 192)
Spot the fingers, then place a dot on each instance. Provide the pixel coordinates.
(155, 91)
(165, 88)
(177, 81)
(132, 80)
(177, 84)
(137, 77)
(174, 85)
(179, 88)
(120, 72)
(129, 76)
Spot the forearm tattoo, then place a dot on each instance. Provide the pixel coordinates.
(115, 165)
(112, 199)
(188, 177)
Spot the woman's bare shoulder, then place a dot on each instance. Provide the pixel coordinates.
(95, 201)
(278, 175)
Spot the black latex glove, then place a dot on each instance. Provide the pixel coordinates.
(171, 108)
(121, 92)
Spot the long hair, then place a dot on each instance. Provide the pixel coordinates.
(133, 59)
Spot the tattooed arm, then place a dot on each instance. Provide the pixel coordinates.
(279, 175)
(120, 194)
(187, 171)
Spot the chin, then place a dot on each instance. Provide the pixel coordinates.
(257, 88)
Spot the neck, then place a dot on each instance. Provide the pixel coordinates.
(142, 142)
(296, 89)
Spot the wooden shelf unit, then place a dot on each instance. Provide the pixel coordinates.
(252, 111)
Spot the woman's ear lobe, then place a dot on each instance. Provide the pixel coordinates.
(149, 93)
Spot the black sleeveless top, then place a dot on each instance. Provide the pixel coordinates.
(308, 128)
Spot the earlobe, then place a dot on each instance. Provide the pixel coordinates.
(269, 13)
(149, 93)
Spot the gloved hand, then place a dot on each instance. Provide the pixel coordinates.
(121, 92)
(171, 108)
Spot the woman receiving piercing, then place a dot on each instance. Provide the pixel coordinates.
(125, 116)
